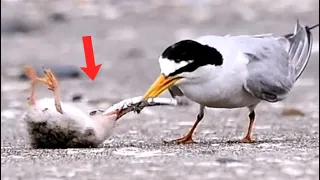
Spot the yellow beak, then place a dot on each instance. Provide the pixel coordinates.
(160, 85)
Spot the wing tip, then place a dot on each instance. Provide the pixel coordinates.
(309, 41)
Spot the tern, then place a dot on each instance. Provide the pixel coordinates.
(233, 71)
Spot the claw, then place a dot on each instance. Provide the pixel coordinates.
(122, 111)
(49, 79)
(187, 139)
(247, 140)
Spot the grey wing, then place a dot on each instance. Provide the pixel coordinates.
(270, 75)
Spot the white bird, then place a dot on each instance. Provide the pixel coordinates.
(55, 124)
(233, 71)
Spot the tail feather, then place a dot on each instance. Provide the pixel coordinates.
(300, 46)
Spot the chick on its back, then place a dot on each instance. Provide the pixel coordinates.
(49, 129)
(54, 124)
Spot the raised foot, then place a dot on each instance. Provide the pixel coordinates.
(183, 140)
(32, 75)
(49, 79)
(247, 140)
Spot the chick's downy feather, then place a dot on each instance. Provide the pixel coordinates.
(48, 128)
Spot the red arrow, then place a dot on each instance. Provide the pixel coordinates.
(92, 69)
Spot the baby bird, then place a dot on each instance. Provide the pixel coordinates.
(55, 124)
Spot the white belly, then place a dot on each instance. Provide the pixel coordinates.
(45, 110)
(219, 93)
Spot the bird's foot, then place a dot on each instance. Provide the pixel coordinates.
(247, 139)
(183, 140)
(49, 79)
(32, 75)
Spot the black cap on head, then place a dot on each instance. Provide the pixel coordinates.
(194, 53)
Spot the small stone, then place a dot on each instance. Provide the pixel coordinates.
(226, 160)
(58, 17)
(292, 112)
(76, 97)
(12, 26)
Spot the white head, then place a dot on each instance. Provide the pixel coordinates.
(184, 62)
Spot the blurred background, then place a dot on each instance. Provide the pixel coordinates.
(128, 37)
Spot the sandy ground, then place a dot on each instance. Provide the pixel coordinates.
(128, 38)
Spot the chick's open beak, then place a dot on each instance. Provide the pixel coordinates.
(117, 113)
(160, 85)
(121, 113)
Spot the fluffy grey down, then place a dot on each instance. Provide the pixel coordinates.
(43, 135)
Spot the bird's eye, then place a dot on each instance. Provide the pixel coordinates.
(93, 112)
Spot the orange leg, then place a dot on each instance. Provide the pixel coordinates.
(187, 139)
(32, 75)
(248, 138)
(50, 80)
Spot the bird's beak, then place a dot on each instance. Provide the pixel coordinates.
(117, 113)
(160, 85)
(120, 113)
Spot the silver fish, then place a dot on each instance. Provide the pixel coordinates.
(136, 104)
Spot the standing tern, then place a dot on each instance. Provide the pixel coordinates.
(233, 71)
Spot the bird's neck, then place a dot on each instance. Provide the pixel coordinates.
(103, 126)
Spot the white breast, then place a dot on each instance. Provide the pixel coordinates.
(220, 87)
(219, 94)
